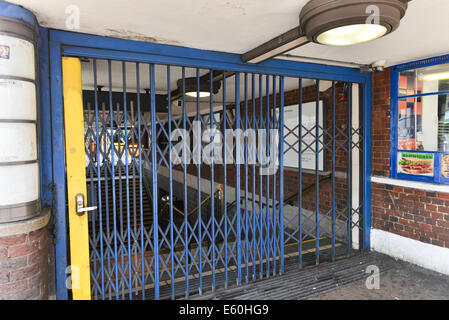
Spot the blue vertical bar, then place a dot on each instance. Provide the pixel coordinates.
(261, 233)
(200, 153)
(300, 172)
(128, 222)
(268, 215)
(212, 184)
(246, 181)
(366, 175)
(154, 182)
(106, 188)
(120, 196)
(58, 158)
(237, 183)
(114, 208)
(170, 174)
(317, 176)
(225, 124)
(139, 141)
(253, 107)
(394, 82)
(186, 220)
(333, 169)
(274, 209)
(45, 151)
(349, 173)
(97, 151)
(281, 168)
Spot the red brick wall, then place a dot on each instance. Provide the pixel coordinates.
(24, 266)
(412, 213)
(380, 115)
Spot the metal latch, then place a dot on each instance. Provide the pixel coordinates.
(80, 210)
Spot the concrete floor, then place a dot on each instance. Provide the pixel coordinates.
(404, 282)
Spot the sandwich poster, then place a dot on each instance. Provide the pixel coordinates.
(421, 164)
(445, 166)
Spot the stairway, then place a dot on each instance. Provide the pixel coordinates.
(121, 208)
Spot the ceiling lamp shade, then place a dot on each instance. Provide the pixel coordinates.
(349, 22)
(336, 23)
(191, 88)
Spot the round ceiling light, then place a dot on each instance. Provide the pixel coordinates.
(348, 22)
(191, 88)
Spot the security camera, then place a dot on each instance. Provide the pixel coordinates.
(379, 65)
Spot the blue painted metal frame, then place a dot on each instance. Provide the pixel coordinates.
(63, 43)
(366, 174)
(45, 148)
(394, 99)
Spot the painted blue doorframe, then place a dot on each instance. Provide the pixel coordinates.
(61, 43)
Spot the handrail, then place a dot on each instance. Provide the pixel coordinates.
(218, 191)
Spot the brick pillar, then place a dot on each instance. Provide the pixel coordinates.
(24, 260)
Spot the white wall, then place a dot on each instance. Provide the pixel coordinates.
(422, 254)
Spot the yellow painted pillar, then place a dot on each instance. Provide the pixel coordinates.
(76, 177)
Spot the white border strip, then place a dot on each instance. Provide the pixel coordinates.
(411, 184)
(422, 254)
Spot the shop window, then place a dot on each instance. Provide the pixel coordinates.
(420, 121)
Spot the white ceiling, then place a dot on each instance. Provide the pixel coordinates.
(239, 25)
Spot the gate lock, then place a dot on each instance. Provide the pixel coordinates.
(80, 210)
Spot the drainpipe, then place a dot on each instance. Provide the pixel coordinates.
(23, 234)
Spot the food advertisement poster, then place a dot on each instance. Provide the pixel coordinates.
(445, 166)
(421, 164)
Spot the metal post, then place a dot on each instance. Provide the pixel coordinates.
(333, 169)
(300, 173)
(237, 184)
(154, 182)
(281, 173)
(139, 141)
(349, 179)
(125, 112)
(212, 184)
(97, 150)
(317, 176)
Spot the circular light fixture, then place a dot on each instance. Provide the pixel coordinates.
(194, 94)
(191, 88)
(348, 22)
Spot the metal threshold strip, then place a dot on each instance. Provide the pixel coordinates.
(291, 259)
(308, 283)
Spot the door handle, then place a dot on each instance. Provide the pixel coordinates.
(80, 209)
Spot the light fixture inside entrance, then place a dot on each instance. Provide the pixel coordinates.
(336, 23)
(191, 87)
(194, 94)
(353, 34)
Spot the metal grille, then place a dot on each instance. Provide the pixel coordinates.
(169, 228)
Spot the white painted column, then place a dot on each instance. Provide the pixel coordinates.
(355, 165)
(19, 166)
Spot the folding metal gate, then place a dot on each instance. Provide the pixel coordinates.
(166, 227)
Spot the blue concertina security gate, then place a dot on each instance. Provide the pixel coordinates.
(206, 175)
